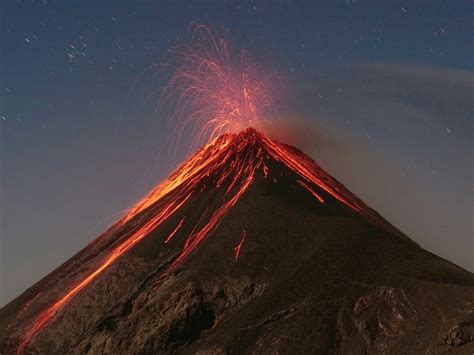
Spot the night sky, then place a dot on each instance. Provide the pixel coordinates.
(379, 93)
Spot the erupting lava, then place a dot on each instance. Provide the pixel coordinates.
(217, 98)
(214, 89)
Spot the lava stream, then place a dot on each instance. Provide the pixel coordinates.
(238, 247)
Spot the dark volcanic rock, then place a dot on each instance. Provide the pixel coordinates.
(460, 333)
(311, 278)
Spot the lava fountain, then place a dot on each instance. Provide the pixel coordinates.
(212, 89)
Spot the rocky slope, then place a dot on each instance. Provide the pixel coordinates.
(296, 265)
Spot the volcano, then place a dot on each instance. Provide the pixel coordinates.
(248, 247)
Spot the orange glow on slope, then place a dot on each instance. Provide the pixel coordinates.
(173, 233)
(238, 247)
(305, 186)
(312, 173)
(23, 309)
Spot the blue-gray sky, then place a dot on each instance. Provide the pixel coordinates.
(385, 87)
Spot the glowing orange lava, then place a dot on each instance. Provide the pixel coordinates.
(173, 233)
(238, 247)
(215, 96)
(305, 186)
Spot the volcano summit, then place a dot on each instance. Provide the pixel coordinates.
(249, 247)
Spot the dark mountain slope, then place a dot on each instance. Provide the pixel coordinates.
(281, 272)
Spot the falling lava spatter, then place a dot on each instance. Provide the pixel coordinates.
(213, 89)
(227, 100)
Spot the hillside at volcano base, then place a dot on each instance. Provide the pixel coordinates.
(248, 247)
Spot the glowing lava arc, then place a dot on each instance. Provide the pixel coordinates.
(231, 162)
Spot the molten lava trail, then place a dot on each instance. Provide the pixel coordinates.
(238, 247)
(310, 190)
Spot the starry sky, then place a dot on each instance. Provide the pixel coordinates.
(378, 92)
